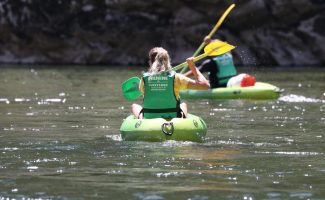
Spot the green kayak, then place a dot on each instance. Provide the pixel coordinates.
(260, 91)
(192, 128)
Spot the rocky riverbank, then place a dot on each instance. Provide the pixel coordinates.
(120, 32)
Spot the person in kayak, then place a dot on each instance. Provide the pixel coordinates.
(220, 68)
(160, 87)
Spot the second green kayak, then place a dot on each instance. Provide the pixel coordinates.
(260, 91)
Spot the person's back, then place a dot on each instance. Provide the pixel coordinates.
(220, 68)
(225, 69)
(160, 87)
(159, 99)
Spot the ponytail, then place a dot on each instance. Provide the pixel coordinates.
(159, 60)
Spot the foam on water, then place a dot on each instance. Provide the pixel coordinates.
(173, 143)
(298, 98)
(290, 153)
(4, 100)
(42, 101)
(114, 137)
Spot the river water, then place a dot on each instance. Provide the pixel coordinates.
(59, 139)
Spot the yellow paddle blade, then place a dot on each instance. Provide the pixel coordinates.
(213, 49)
(217, 48)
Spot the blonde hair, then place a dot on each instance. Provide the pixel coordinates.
(159, 60)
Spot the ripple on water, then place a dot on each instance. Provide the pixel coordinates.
(116, 137)
(301, 195)
(292, 98)
(167, 174)
(30, 100)
(49, 101)
(148, 197)
(173, 143)
(5, 100)
(241, 143)
(290, 153)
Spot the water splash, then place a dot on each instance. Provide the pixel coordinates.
(173, 143)
(4, 100)
(49, 101)
(42, 101)
(167, 174)
(292, 98)
(114, 137)
(290, 153)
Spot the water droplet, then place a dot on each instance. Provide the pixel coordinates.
(32, 167)
(14, 190)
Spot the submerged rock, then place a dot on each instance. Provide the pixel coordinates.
(121, 32)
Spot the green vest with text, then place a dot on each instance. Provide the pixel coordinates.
(159, 98)
(226, 68)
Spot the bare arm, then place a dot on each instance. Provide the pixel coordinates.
(189, 73)
(200, 82)
(206, 40)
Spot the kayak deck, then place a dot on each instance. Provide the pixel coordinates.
(192, 128)
(260, 91)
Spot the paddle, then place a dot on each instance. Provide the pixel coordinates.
(213, 49)
(130, 87)
(218, 24)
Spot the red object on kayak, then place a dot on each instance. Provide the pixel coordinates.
(248, 80)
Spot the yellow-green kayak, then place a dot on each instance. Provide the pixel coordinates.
(192, 128)
(260, 91)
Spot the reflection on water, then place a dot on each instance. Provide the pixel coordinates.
(59, 139)
(298, 98)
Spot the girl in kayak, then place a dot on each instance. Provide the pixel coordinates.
(160, 87)
(220, 68)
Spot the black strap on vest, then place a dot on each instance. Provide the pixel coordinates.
(160, 110)
(178, 110)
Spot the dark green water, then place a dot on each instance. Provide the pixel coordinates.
(59, 139)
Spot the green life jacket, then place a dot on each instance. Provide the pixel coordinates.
(159, 98)
(225, 68)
